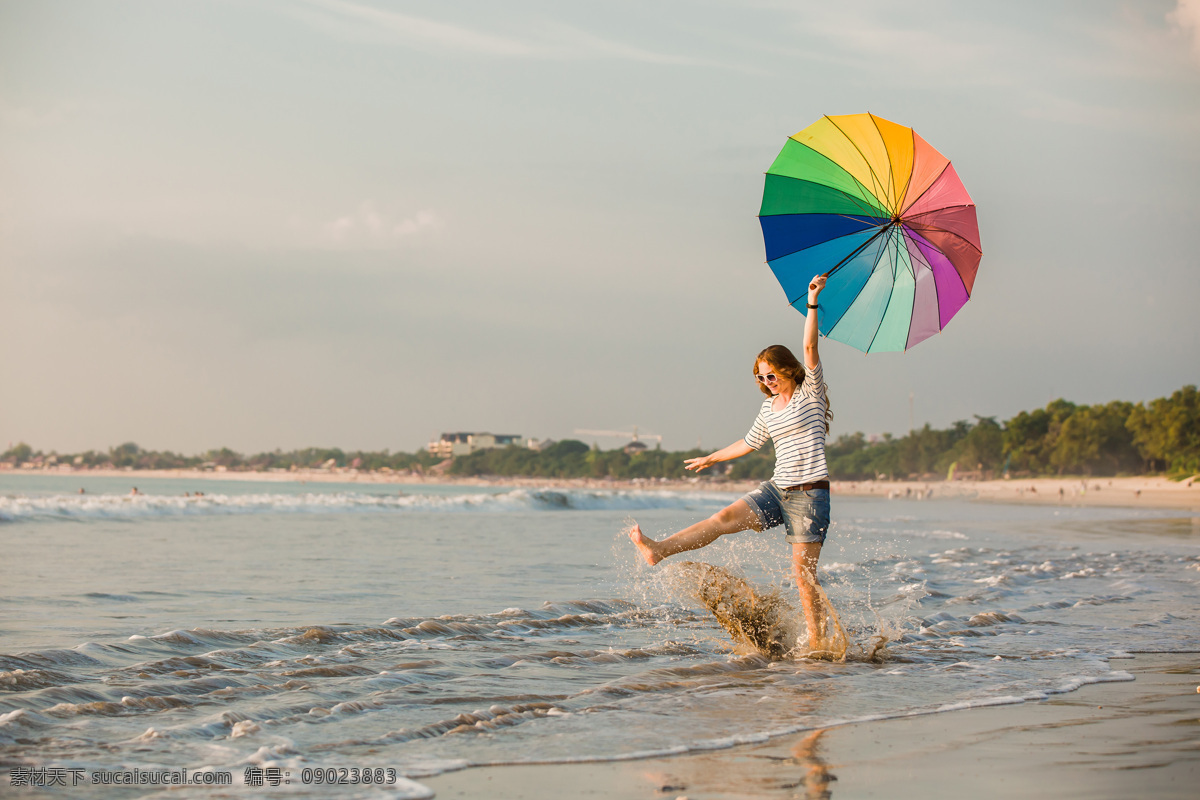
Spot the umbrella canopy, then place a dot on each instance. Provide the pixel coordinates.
(872, 204)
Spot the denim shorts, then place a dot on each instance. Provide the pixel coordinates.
(804, 513)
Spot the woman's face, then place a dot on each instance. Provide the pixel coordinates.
(775, 382)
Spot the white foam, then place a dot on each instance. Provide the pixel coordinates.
(939, 534)
(1074, 682)
(83, 507)
(405, 789)
(13, 716)
(984, 702)
(434, 766)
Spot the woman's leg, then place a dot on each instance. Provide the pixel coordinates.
(737, 516)
(804, 569)
(807, 515)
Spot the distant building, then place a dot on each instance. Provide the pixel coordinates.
(463, 444)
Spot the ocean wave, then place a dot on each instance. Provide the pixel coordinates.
(567, 688)
(107, 506)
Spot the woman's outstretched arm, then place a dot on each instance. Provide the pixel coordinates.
(735, 450)
(811, 357)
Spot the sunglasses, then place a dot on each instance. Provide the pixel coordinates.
(770, 377)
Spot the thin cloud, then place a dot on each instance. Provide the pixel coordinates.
(28, 116)
(1186, 19)
(367, 227)
(1135, 44)
(551, 41)
(410, 30)
(572, 43)
(894, 46)
(1052, 107)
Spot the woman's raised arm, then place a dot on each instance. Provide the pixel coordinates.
(811, 357)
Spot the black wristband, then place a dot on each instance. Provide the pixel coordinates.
(810, 305)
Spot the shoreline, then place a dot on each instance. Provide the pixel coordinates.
(1132, 492)
(1115, 739)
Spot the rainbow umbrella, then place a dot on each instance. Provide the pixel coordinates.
(872, 205)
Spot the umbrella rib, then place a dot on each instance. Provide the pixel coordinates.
(936, 291)
(809, 247)
(915, 222)
(908, 180)
(891, 166)
(834, 324)
(883, 316)
(858, 201)
(958, 274)
(912, 306)
(936, 210)
(857, 250)
(870, 169)
(812, 149)
(913, 311)
(927, 188)
(964, 240)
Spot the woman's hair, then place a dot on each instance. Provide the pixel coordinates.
(781, 360)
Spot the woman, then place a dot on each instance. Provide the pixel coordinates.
(795, 417)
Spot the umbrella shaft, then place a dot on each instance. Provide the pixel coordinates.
(862, 247)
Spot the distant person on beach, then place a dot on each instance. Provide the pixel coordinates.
(134, 492)
(795, 417)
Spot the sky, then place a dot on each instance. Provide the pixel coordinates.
(355, 223)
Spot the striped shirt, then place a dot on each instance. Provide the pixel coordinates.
(798, 432)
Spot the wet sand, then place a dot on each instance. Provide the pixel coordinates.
(1132, 492)
(1114, 740)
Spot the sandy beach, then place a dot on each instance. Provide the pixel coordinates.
(1133, 492)
(1140, 491)
(1138, 738)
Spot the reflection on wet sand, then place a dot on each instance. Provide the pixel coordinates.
(805, 774)
(817, 776)
(768, 770)
(1119, 739)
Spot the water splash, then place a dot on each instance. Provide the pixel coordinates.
(754, 618)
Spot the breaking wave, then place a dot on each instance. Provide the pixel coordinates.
(109, 506)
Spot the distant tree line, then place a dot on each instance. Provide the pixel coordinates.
(1162, 436)
(574, 459)
(129, 455)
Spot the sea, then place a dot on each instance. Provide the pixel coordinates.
(351, 640)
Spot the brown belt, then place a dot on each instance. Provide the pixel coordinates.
(804, 487)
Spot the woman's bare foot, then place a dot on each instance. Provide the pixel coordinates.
(644, 545)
